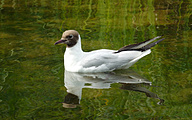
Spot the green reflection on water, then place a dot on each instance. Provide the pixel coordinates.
(31, 67)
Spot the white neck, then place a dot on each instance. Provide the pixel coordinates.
(73, 55)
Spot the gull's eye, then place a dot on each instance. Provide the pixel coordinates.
(70, 36)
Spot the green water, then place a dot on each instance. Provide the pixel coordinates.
(31, 67)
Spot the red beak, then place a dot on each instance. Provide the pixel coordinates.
(60, 41)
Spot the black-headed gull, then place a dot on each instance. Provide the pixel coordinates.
(103, 60)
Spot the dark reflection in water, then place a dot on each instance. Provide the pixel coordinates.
(75, 82)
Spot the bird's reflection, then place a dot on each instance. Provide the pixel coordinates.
(75, 82)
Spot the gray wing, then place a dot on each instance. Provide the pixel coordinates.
(99, 59)
(105, 60)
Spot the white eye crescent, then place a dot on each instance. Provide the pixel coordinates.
(70, 36)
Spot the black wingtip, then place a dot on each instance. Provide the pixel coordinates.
(151, 45)
(144, 48)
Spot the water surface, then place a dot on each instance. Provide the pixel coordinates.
(32, 75)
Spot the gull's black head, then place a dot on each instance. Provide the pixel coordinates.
(69, 37)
